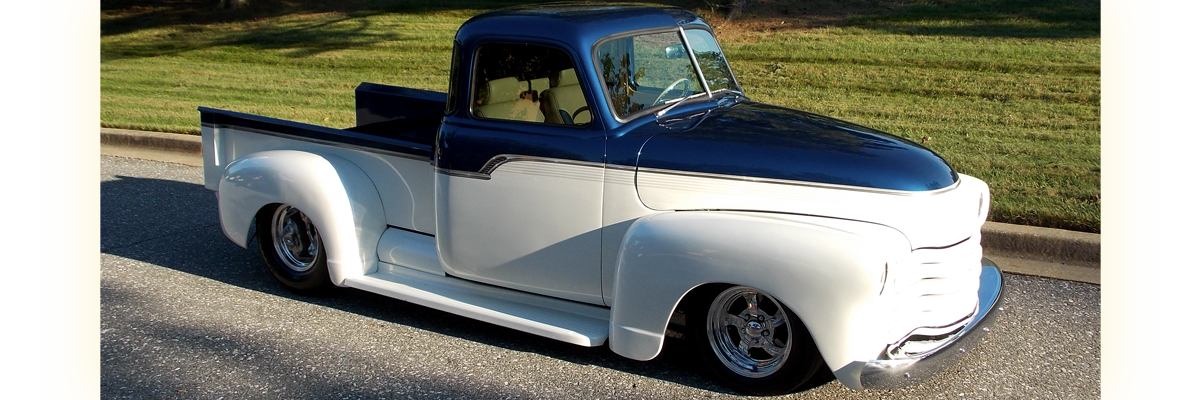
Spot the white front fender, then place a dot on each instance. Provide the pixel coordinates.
(828, 271)
(336, 195)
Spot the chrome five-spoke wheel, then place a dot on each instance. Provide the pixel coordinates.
(749, 332)
(751, 340)
(292, 248)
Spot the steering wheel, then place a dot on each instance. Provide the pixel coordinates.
(659, 100)
(576, 114)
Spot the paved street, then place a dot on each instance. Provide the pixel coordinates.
(185, 313)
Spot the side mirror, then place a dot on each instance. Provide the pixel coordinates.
(676, 51)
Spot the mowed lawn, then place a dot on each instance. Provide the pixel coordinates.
(1007, 91)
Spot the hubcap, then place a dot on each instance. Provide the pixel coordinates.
(296, 239)
(749, 332)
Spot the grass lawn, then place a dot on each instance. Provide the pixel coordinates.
(1006, 90)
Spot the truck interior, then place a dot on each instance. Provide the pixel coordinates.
(528, 83)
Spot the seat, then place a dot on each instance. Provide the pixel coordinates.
(564, 103)
(503, 101)
(540, 84)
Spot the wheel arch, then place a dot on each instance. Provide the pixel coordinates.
(339, 198)
(827, 271)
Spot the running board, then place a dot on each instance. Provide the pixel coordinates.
(571, 322)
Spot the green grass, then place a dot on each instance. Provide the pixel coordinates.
(1008, 91)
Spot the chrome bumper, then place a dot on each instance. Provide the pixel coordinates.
(897, 373)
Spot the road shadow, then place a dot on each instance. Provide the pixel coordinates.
(174, 225)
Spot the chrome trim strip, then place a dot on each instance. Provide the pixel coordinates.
(946, 246)
(960, 325)
(462, 174)
(621, 167)
(316, 141)
(893, 374)
(495, 162)
(798, 183)
(695, 63)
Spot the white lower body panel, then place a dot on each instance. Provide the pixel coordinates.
(567, 321)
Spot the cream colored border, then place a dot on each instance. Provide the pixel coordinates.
(67, 200)
(1133, 216)
(67, 165)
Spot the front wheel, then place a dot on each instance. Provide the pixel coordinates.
(292, 249)
(752, 341)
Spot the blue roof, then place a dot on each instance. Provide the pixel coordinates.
(574, 23)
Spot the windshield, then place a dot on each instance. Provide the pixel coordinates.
(712, 61)
(649, 70)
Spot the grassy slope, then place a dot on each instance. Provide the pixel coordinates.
(1008, 91)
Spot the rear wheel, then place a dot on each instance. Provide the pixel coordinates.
(292, 249)
(752, 341)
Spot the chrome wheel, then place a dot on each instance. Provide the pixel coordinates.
(295, 239)
(749, 332)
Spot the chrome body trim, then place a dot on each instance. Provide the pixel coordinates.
(462, 174)
(495, 162)
(695, 63)
(887, 373)
(617, 167)
(798, 183)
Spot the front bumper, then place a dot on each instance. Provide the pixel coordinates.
(897, 373)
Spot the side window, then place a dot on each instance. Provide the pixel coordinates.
(527, 83)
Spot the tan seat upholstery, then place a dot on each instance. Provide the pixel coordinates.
(503, 101)
(540, 84)
(561, 103)
(566, 77)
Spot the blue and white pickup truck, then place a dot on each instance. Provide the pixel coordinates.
(596, 174)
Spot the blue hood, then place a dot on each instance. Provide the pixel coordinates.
(763, 141)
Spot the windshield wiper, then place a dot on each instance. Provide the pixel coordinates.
(720, 94)
(664, 111)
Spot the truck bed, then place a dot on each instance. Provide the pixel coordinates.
(389, 119)
(392, 143)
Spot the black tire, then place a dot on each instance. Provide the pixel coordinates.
(776, 353)
(292, 248)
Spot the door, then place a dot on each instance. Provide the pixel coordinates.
(519, 194)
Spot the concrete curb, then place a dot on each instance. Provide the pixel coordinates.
(188, 144)
(1052, 253)
(1042, 243)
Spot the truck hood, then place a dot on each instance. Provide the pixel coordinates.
(756, 140)
(756, 157)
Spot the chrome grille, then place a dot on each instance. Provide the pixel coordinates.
(933, 294)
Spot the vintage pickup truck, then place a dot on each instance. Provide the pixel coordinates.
(596, 174)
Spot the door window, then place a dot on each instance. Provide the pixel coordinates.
(528, 83)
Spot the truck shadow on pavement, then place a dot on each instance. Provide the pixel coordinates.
(174, 225)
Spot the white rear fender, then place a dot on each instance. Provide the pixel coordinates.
(828, 271)
(337, 196)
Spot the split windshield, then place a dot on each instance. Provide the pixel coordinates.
(650, 71)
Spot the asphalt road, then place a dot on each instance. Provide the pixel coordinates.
(185, 313)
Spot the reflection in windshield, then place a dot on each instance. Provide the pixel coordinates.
(645, 71)
(712, 62)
